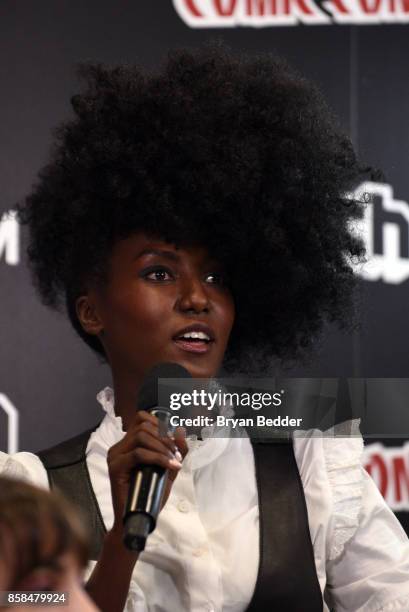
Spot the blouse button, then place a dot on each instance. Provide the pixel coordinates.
(183, 506)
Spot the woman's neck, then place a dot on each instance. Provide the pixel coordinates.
(126, 391)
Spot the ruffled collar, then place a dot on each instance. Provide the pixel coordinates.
(106, 398)
(213, 443)
(111, 429)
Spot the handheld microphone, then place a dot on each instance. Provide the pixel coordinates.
(148, 481)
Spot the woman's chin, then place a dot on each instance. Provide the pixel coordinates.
(197, 368)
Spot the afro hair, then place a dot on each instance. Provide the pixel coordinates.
(238, 153)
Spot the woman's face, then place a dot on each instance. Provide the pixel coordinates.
(161, 303)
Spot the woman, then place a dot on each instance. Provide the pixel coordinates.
(209, 198)
(43, 547)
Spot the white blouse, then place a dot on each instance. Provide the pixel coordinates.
(203, 554)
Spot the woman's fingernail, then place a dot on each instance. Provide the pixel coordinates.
(175, 463)
(178, 455)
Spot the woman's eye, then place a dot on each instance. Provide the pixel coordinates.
(215, 278)
(158, 275)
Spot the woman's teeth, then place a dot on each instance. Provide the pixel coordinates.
(194, 342)
(195, 336)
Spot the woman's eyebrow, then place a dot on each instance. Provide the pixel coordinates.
(160, 252)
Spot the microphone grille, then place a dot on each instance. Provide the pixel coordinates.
(148, 393)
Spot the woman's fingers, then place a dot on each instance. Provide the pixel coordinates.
(126, 463)
(143, 445)
(180, 441)
(155, 443)
(144, 431)
(143, 440)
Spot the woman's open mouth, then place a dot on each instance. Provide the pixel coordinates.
(195, 339)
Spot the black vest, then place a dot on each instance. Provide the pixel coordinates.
(287, 579)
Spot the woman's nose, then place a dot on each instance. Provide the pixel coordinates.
(193, 296)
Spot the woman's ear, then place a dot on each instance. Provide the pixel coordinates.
(88, 316)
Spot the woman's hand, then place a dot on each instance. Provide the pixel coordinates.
(109, 583)
(142, 444)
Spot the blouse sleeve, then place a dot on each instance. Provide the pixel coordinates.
(368, 561)
(24, 466)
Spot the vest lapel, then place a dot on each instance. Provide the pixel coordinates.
(68, 472)
(287, 578)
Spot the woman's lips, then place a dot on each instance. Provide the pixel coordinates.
(193, 346)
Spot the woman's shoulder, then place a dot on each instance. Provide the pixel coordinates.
(24, 466)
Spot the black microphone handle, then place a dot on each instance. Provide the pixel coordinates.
(144, 503)
(148, 481)
(145, 496)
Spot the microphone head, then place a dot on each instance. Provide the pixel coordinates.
(148, 393)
